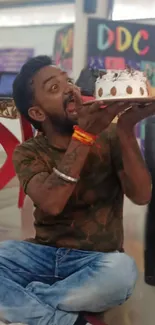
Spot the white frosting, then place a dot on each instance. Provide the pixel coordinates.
(121, 80)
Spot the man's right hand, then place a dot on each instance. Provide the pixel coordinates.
(94, 118)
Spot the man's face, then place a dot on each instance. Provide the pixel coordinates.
(55, 98)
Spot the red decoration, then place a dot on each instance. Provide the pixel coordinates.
(8, 142)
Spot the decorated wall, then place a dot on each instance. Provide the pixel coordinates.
(114, 45)
(63, 48)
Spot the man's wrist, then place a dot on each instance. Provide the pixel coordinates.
(80, 145)
(83, 137)
(125, 129)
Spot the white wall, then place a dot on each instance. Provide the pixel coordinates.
(41, 38)
(37, 15)
(133, 9)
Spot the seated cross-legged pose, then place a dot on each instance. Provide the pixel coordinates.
(76, 172)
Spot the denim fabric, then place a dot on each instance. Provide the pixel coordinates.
(42, 285)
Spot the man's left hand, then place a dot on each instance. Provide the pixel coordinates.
(135, 113)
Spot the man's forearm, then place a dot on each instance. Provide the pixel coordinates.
(135, 178)
(72, 162)
(54, 191)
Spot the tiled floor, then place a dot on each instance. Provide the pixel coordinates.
(140, 309)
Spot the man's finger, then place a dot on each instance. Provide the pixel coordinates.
(95, 107)
(149, 107)
(101, 104)
(117, 108)
(145, 108)
(77, 98)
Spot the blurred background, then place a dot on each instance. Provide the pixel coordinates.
(103, 34)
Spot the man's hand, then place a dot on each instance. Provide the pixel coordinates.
(135, 114)
(96, 117)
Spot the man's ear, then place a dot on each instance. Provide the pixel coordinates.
(37, 114)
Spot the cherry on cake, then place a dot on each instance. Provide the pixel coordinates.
(115, 84)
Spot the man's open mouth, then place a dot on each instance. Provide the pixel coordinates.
(70, 106)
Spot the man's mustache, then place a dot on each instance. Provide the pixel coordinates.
(69, 98)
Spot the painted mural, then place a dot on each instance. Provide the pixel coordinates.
(115, 45)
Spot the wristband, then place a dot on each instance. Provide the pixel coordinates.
(83, 136)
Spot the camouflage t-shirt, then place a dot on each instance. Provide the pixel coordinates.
(92, 218)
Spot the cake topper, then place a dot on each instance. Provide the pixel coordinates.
(102, 73)
(130, 70)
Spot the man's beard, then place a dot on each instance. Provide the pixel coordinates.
(62, 125)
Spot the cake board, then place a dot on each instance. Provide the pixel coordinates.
(146, 100)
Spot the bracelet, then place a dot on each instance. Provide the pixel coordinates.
(83, 137)
(65, 178)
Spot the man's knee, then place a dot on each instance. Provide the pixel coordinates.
(116, 281)
(124, 274)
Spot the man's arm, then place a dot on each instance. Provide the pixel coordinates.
(134, 176)
(48, 191)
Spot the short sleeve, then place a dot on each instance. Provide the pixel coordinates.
(115, 148)
(27, 163)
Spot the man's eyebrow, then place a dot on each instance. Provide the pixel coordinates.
(53, 77)
(48, 79)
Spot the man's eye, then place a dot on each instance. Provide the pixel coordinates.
(54, 87)
(70, 81)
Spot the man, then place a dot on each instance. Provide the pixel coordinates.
(76, 173)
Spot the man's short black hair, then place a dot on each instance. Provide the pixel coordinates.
(23, 93)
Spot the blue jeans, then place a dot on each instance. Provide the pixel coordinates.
(42, 285)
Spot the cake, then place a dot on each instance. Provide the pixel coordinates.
(115, 84)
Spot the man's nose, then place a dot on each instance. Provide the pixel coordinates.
(69, 88)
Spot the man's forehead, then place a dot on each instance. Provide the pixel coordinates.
(49, 71)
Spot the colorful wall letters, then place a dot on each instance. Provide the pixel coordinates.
(113, 38)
